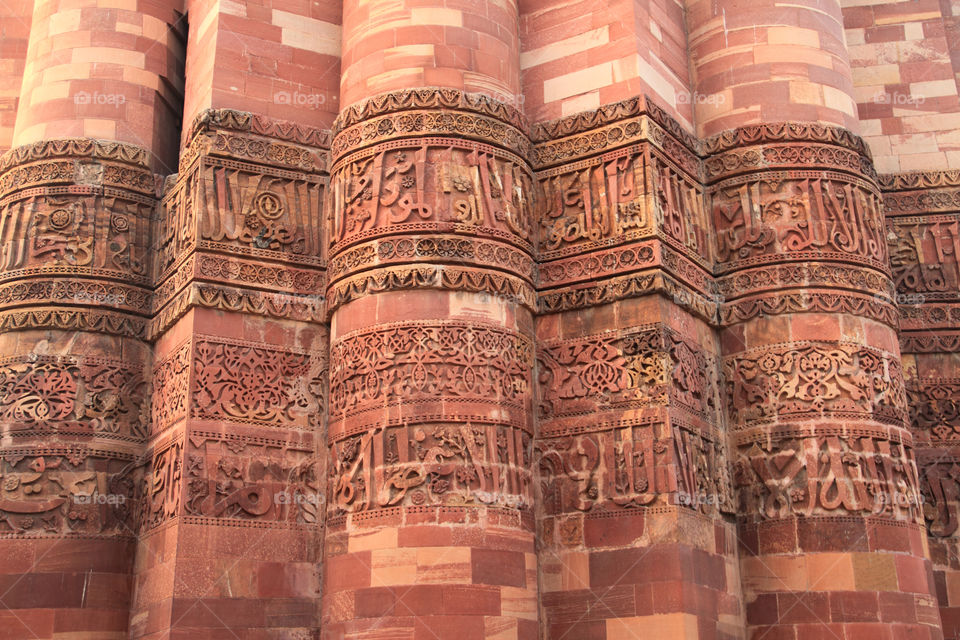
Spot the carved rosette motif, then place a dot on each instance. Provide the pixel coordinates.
(921, 192)
(256, 138)
(610, 126)
(430, 112)
(77, 161)
(597, 265)
(440, 248)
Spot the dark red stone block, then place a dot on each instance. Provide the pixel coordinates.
(498, 567)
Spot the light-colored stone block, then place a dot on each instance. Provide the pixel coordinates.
(675, 626)
(436, 15)
(566, 47)
(384, 538)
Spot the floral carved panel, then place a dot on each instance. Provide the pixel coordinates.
(807, 380)
(72, 394)
(256, 383)
(628, 369)
(426, 362)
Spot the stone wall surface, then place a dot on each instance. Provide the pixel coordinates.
(479, 320)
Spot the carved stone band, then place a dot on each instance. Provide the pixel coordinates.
(435, 184)
(402, 370)
(78, 162)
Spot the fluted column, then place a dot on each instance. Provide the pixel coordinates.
(15, 20)
(760, 62)
(635, 504)
(922, 235)
(232, 529)
(75, 278)
(830, 520)
(95, 72)
(429, 529)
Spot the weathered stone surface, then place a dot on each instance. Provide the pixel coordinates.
(499, 320)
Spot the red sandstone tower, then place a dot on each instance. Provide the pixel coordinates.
(479, 320)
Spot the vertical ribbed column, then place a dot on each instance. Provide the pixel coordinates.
(94, 71)
(430, 530)
(922, 233)
(15, 20)
(762, 62)
(635, 501)
(459, 44)
(830, 519)
(233, 525)
(75, 284)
